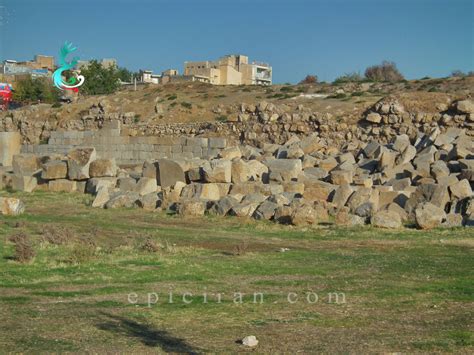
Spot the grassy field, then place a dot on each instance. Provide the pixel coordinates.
(96, 274)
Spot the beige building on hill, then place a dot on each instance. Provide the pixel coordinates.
(231, 70)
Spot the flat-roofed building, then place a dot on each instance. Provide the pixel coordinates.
(231, 70)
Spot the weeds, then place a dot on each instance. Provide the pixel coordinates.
(57, 235)
(24, 251)
(241, 248)
(150, 246)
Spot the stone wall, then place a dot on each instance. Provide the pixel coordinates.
(109, 143)
(10, 144)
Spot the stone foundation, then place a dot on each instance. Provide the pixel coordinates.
(109, 143)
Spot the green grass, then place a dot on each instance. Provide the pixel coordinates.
(406, 291)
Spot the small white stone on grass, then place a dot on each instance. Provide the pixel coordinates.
(250, 341)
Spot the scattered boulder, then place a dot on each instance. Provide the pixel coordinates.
(146, 186)
(11, 206)
(188, 208)
(386, 219)
(465, 106)
(429, 216)
(250, 341)
(101, 198)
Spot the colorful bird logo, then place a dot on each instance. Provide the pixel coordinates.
(75, 81)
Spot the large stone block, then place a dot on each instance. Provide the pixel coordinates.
(166, 172)
(189, 208)
(103, 167)
(24, 183)
(79, 161)
(283, 169)
(386, 219)
(230, 153)
(26, 164)
(95, 184)
(252, 187)
(146, 186)
(318, 191)
(220, 170)
(461, 190)
(429, 216)
(62, 185)
(10, 145)
(54, 169)
(217, 142)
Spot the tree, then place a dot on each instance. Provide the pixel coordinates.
(387, 71)
(125, 75)
(457, 74)
(100, 80)
(310, 79)
(30, 90)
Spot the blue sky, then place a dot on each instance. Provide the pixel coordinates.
(298, 37)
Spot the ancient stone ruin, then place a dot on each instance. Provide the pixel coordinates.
(419, 178)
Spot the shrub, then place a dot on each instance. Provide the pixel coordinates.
(286, 89)
(241, 248)
(457, 74)
(81, 253)
(348, 78)
(387, 71)
(337, 96)
(187, 105)
(309, 79)
(57, 235)
(172, 97)
(222, 118)
(24, 251)
(150, 246)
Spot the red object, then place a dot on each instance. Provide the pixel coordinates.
(6, 92)
(5, 96)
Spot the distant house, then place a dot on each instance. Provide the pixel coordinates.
(231, 70)
(166, 76)
(105, 62)
(12, 70)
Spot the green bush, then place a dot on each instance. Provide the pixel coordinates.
(349, 78)
(222, 118)
(337, 96)
(36, 89)
(187, 105)
(100, 80)
(172, 97)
